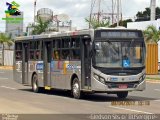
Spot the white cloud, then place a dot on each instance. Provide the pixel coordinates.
(76, 9)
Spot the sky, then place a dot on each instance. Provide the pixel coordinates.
(77, 10)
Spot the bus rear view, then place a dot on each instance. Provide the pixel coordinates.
(118, 61)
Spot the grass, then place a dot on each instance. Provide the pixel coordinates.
(150, 78)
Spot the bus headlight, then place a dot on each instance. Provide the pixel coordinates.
(96, 76)
(99, 78)
(142, 78)
(102, 80)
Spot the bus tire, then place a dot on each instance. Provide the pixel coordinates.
(35, 87)
(76, 92)
(122, 95)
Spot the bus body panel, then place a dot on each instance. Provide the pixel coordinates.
(62, 71)
(18, 72)
(33, 69)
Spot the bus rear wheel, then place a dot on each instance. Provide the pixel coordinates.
(76, 92)
(122, 95)
(35, 87)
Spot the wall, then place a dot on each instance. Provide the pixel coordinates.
(143, 25)
(152, 59)
(8, 57)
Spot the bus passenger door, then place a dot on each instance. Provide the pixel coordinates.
(47, 61)
(25, 63)
(86, 64)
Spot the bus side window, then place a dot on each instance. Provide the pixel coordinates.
(18, 55)
(65, 43)
(18, 51)
(73, 42)
(37, 54)
(75, 54)
(31, 55)
(56, 55)
(65, 54)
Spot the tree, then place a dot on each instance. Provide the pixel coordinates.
(122, 23)
(40, 27)
(95, 23)
(151, 34)
(145, 15)
(5, 39)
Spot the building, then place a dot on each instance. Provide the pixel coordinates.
(14, 26)
(143, 25)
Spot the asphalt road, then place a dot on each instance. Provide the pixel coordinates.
(18, 99)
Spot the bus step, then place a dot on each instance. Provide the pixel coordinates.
(47, 88)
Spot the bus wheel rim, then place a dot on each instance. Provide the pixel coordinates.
(76, 89)
(35, 85)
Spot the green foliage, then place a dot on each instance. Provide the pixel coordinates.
(122, 23)
(151, 34)
(40, 27)
(6, 39)
(145, 15)
(95, 23)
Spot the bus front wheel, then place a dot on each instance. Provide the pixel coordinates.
(76, 92)
(122, 94)
(35, 87)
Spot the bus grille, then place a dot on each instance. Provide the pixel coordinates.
(116, 85)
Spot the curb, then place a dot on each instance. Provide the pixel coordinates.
(152, 81)
(6, 67)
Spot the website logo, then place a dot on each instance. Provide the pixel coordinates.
(12, 9)
(12, 12)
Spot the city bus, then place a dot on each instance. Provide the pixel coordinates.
(102, 60)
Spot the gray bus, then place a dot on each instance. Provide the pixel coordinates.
(109, 60)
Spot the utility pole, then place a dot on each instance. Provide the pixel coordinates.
(99, 10)
(35, 10)
(90, 16)
(99, 15)
(153, 10)
(118, 11)
(112, 11)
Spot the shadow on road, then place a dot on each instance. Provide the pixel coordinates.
(97, 97)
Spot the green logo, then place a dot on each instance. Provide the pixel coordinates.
(13, 10)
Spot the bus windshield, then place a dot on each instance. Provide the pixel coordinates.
(122, 54)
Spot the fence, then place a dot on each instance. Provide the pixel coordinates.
(152, 59)
(8, 57)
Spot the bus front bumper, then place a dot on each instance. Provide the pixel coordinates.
(114, 87)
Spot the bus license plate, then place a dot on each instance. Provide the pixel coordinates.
(122, 86)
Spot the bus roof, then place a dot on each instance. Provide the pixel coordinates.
(57, 34)
(69, 33)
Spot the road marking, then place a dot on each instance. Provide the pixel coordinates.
(8, 87)
(157, 89)
(156, 100)
(4, 78)
(130, 110)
